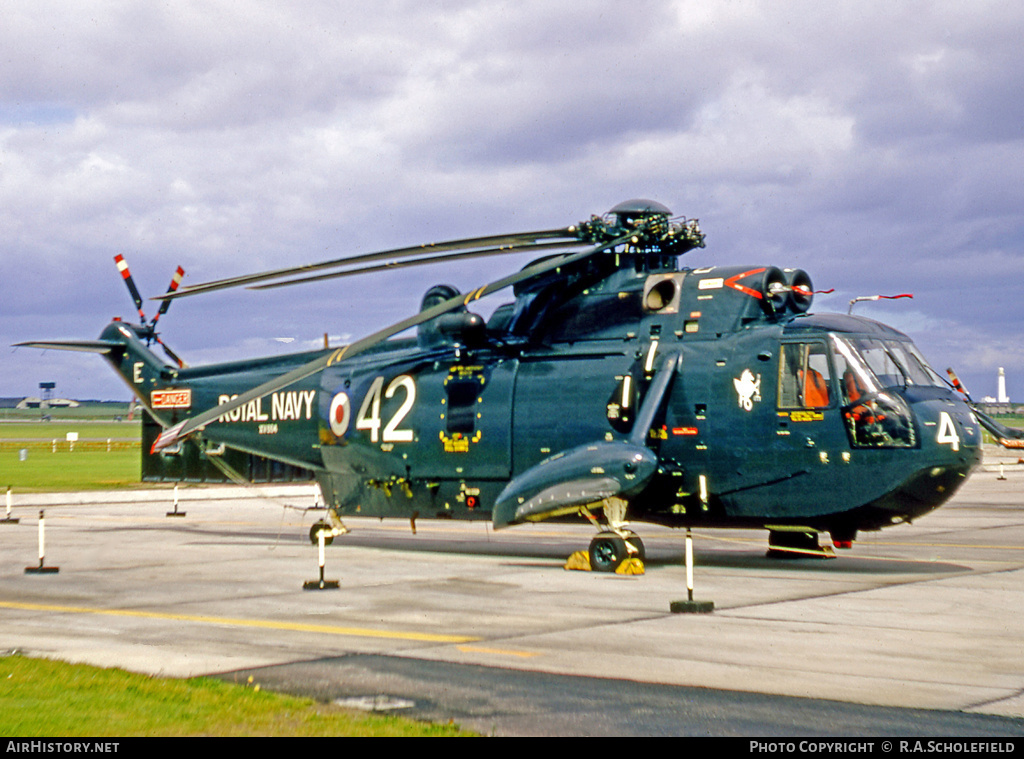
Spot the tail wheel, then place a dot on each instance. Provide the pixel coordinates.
(314, 533)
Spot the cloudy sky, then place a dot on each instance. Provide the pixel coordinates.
(878, 145)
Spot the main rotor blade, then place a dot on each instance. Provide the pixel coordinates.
(172, 435)
(438, 247)
(420, 262)
(1008, 437)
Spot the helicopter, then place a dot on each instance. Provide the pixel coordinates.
(615, 386)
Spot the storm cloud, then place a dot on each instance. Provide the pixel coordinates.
(879, 146)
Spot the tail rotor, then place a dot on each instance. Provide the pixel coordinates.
(147, 330)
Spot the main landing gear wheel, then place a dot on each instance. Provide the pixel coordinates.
(797, 545)
(314, 533)
(608, 550)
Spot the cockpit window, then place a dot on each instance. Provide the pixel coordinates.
(934, 378)
(895, 363)
(876, 418)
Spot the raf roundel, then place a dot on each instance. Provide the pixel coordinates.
(339, 414)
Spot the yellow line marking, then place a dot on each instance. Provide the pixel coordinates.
(499, 651)
(361, 632)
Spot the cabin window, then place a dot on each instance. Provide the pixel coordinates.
(805, 378)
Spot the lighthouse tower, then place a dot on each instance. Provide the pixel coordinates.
(1001, 391)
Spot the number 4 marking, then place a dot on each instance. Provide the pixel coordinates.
(947, 431)
(369, 412)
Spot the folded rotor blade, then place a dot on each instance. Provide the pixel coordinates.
(1008, 437)
(172, 435)
(525, 238)
(419, 262)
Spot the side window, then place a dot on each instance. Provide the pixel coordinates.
(805, 379)
(596, 315)
(462, 405)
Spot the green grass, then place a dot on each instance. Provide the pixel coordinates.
(45, 698)
(90, 466)
(87, 430)
(44, 471)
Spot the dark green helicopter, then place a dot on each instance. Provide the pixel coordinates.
(615, 386)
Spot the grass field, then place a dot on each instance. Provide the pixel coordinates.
(86, 429)
(106, 455)
(81, 470)
(45, 698)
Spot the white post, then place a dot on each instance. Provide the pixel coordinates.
(689, 565)
(8, 519)
(42, 569)
(42, 537)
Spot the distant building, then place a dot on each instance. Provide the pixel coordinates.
(28, 403)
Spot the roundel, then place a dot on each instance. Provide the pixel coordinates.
(339, 414)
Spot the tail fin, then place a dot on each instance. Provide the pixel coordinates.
(140, 368)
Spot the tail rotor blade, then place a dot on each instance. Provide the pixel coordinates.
(175, 281)
(171, 354)
(122, 266)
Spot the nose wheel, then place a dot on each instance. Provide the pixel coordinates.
(609, 549)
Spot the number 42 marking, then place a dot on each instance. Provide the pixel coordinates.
(369, 412)
(947, 431)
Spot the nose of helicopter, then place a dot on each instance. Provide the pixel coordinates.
(950, 448)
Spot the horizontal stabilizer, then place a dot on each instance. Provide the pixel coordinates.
(568, 481)
(88, 346)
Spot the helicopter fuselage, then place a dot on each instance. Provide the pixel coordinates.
(772, 417)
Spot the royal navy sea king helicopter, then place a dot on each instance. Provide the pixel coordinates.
(615, 386)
